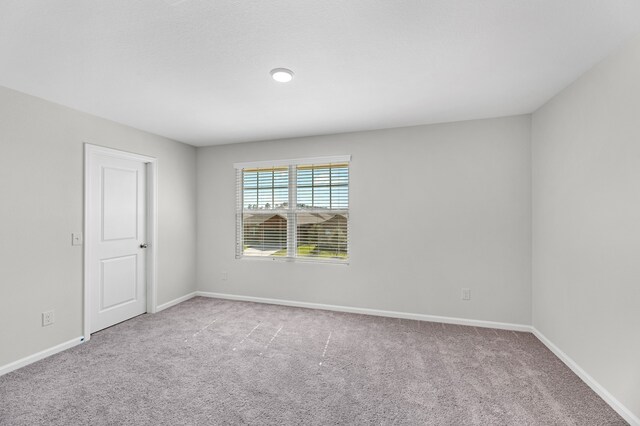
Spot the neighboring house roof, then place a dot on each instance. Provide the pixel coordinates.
(314, 218)
(303, 219)
(258, 219)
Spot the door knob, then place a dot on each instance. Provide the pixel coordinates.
(144, 245)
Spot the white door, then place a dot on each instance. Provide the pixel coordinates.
(116, 223)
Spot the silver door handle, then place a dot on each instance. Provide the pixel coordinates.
(145, 245)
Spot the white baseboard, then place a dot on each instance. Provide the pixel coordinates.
(366, 311)
(623, 411)
(175, 301)
(40, 355)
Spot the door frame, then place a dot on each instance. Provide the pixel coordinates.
(152, 226)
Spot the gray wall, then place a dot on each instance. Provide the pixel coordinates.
(586, 223)
(454, 212)
(41, 188)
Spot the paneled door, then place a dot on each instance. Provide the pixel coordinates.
(117, 237)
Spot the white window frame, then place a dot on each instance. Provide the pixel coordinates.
(290, 213)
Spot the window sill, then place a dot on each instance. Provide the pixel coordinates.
(295, 259)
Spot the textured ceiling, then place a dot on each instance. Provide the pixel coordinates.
(198, 70)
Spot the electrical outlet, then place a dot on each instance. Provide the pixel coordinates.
(48, 318)
(466, 294)
(225, 276)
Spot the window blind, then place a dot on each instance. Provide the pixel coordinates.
(298, 211)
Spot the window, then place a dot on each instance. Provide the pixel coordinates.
(295, 209)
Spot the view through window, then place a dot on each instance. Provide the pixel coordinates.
(298, 211)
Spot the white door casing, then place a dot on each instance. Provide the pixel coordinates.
(116, 232)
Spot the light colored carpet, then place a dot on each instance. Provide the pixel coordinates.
(209, 361)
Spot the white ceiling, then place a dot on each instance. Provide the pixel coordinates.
(198, 70)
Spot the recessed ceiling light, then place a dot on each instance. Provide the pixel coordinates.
(282, 75)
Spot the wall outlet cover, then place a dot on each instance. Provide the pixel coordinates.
(48, 318)
(466, 294)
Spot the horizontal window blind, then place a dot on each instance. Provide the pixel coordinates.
(265, 189)
(299, 211)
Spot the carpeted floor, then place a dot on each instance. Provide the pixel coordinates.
(209, 361)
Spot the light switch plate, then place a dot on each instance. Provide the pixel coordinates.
(76, 239)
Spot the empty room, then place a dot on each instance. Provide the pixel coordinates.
(294, 212)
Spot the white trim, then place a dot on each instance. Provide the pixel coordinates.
(293, 162)
(40, 355)
(623, 411)
(175, 301)
(152, 236)
(152, 225)
(367, 311)
(295, 259)
(118, 153)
